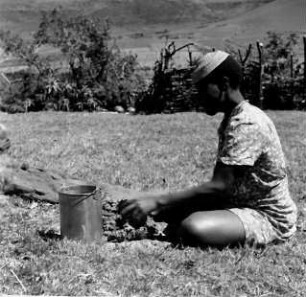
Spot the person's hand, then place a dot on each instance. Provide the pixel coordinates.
(135, 211)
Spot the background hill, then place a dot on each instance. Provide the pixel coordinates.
(280, 16)
(141, 26)
(22, 16)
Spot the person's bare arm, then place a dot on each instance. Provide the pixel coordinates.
(219, 185)
(137, 209)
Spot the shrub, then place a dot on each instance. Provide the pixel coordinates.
(282, 76)
(98, 75)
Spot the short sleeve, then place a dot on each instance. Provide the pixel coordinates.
(242, 144)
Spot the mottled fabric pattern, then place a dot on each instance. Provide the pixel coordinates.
(260, 195)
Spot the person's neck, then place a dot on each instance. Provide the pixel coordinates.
(233, 98)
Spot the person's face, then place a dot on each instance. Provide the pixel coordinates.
(210, 98)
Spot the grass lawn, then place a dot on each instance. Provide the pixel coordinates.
(142, 153)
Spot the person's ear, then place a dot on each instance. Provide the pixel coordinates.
(225, 83)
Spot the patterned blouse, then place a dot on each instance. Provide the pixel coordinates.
(248, 138)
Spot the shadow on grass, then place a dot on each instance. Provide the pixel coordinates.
(49, 235)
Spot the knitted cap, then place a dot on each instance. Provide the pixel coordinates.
(208, 63)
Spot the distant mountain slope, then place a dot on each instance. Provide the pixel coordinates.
(148, 12)
(23, 15)
(279, 16)
(141, 25)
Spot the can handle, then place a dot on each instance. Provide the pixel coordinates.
(88, 196)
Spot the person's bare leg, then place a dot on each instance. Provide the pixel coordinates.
(212, 228)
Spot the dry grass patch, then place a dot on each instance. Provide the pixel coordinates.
(142, 153)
